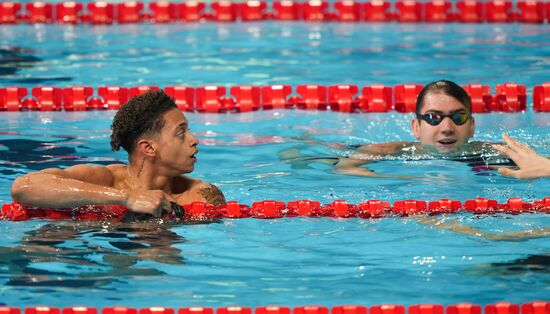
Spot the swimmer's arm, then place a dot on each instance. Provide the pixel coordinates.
(389, 148)
(353, 167)
(455, 226)
(75, 186)
(203, 192)
(306, 138)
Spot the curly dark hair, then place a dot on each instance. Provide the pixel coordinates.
(141, 115)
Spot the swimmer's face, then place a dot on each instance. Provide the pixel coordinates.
(447, 135)
(176, 146)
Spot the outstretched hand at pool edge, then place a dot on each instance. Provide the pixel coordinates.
(531, 165)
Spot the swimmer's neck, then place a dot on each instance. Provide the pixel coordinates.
(147, 177)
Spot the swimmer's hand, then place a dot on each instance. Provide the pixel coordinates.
(148, 202)
(531, 165)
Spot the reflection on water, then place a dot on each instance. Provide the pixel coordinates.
(38, 155)
(530, 265)
(13, 59)
(73, 255)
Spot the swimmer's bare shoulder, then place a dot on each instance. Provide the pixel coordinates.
(188, 190)
(95, 174)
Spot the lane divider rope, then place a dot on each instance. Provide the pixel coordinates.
(536, 307)
(268, 209)
(404, 11)
(507, 97)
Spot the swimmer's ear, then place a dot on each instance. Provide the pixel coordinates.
(473, 128)
(415, 126)
(146, 147)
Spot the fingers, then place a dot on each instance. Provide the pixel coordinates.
(166, 203)
(515, 145)
(157, 212)
(513, 149)
(506, 151)
(169, 197)
(508, 172)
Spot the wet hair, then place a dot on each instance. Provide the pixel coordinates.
(141, 115)
(447, 88)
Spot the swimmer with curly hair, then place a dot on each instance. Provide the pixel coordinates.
(161, 149)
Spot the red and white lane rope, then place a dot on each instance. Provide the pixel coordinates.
(268, 209)
(404, 11)
(536, 307)
(506, 97)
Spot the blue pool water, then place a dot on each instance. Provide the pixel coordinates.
(292, 261)
(276, 53)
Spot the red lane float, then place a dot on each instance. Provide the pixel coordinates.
(129, 12)
(191, 11)
(184, 96)
(499, 11)
(535, 307)
(480, 96)
(39, 12)
(376, 98)
(347, 11)
(438, 11)
(77, 98)
(508, 97)
(377, 11)
(541, 97)
(349, 309)
(78, 310)
(405, 97)
(113, 96)
(269, 209)
(160, 11)
(470, 11)
(9, 12)
(276, 97)
(511, 97)
(409, 11)
(68, 12)
(99, 12)
(343, 98)
(224, 11)
(253, 10)
(464, 308)
(196, 310)
(287, 10)
(531, 11)
(272, 310)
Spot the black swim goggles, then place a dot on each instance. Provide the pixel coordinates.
(432, 118)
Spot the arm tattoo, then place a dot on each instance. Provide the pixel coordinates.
(212, 195)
